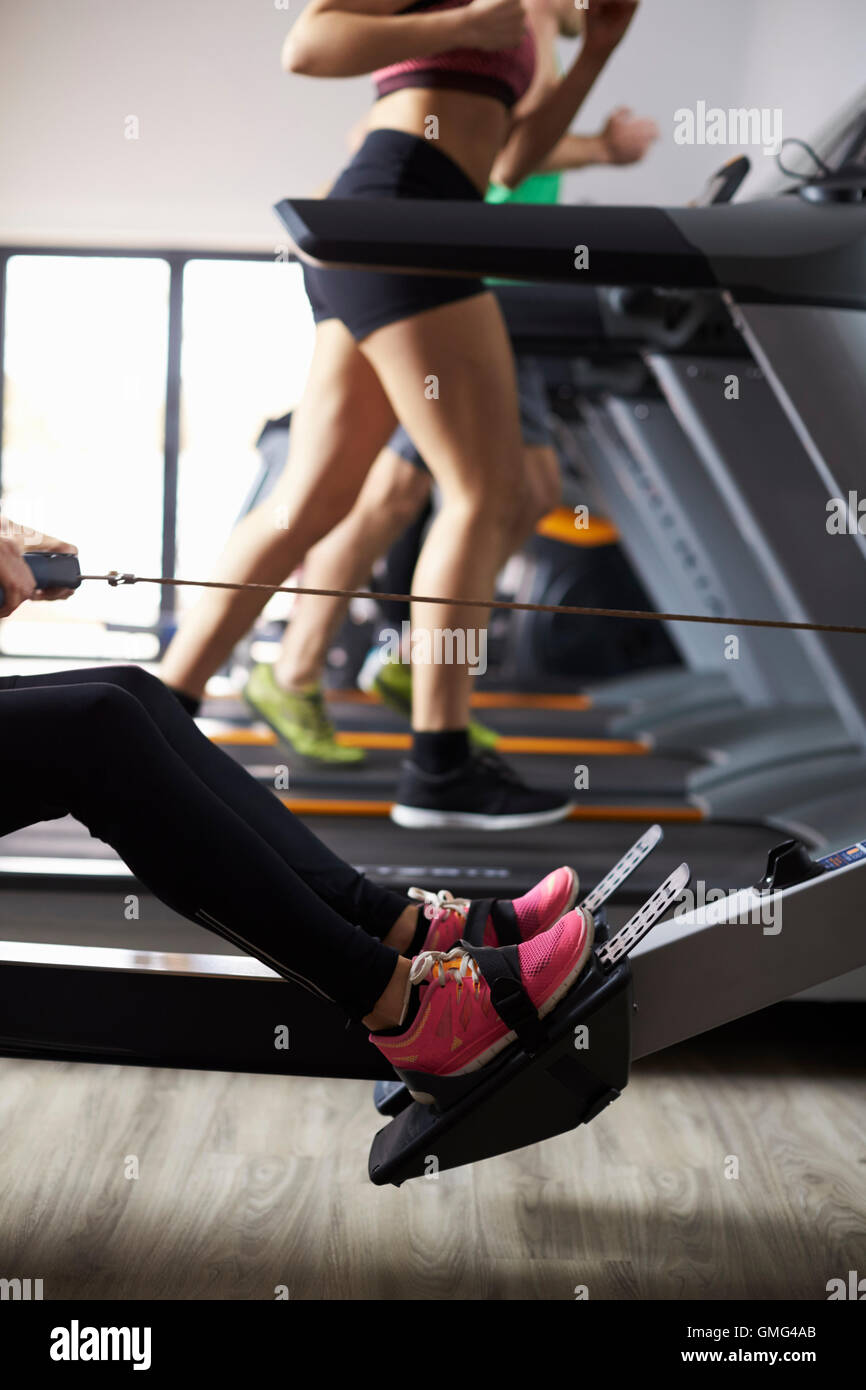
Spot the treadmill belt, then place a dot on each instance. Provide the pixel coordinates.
(375, 718)
(501, 864)
(723, 856)
(629, 779)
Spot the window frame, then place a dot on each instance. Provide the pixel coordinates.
(176, 261)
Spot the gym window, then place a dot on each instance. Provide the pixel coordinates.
(148, 376)
(247, 343)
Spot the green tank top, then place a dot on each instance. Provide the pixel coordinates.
(538, 188)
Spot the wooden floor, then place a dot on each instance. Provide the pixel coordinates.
(249, 1182)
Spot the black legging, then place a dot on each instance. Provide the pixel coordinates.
(113, 748)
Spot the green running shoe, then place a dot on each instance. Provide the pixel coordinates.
(299, 718)
(392, 684)
(481, 737)
(391, 681)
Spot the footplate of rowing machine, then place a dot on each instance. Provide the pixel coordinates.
(520, 1099)
(392, 1097)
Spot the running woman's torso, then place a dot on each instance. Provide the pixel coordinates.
(504, 73)
(471, 130)
(461, 98)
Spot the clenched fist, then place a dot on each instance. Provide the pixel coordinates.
(493, 24)
(626, 137)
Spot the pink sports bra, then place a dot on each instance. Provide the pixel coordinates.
(505, 75)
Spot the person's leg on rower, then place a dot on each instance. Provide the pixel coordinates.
(127, 762)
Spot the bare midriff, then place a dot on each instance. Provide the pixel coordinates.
(471, 128)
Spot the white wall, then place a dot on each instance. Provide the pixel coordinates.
(676, 52)
(807, 58)
(224, 133)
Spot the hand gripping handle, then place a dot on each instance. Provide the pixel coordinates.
(51, 571)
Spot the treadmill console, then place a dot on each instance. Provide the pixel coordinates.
(787, 864)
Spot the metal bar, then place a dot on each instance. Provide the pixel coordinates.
(152, 1008)
(629, 245)
(172, 437)
(777, 250)
(623, 869)
(646, 917)
(133, 253)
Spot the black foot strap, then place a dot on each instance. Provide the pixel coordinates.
(501, 969)
(504, 921)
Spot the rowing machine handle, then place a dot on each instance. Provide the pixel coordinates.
(51, 570)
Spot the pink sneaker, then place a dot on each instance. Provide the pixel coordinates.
(457, 1029)
(505, 922)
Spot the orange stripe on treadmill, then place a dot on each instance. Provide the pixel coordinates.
(321, 806)
(396, 742)
(602, 747)
(245, 738)
(401, 743)
(318, 806)
(351, 697)
(482, 699)
(506, 699)
(668, 813)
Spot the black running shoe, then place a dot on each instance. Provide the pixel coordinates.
(484, 794)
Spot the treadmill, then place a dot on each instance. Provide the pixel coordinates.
(788, 271)
(682, 471)
(759, 729)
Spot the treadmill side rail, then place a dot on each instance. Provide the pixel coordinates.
(627, 245)
(772, 250)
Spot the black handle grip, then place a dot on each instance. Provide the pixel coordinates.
(51, 570)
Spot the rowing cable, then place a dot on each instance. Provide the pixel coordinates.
(114, 578)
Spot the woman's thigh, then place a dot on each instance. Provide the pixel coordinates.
(450, 374)
(45, 746)
(343, 420)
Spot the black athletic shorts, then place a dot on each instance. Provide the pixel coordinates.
(391, 164)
